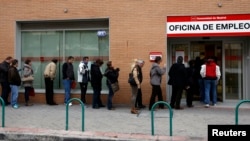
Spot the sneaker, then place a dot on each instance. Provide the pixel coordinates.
(207, 106)
(15, 106)
(214, 105)
(70, 104)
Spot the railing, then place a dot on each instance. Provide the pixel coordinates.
(237, 110)
(170, 115)
(3, 110)
(67, 113)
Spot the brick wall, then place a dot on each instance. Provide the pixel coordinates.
(136, 28)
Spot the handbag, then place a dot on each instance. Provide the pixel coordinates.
(131, 79)
(73, 85)
(32, 92)
(28, 78)
(115, 87)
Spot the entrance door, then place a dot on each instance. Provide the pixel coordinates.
(233, 70)
(193, 49)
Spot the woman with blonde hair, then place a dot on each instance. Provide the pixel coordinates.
(137, 74)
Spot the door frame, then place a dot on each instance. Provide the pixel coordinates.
(245, 54)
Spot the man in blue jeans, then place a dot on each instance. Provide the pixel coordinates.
(210, 73)
(68, 78)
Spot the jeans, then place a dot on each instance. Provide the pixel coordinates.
(67, 89)
(14, 94)
(110, 97)
(210, 87)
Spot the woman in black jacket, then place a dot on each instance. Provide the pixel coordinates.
(112, 77)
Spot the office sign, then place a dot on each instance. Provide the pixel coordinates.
(211, 25)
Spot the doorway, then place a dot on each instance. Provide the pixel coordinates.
(202, 49)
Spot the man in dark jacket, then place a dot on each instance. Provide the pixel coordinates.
(4, 67)
(68, 78)
(178, 77)
(96, 83)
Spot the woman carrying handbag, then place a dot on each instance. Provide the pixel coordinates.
(28, 85)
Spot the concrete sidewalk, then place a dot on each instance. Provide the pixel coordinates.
(48, 122)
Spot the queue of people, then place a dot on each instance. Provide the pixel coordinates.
(200, 74)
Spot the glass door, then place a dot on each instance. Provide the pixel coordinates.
(233, 71)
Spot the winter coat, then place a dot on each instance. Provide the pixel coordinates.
(83, 75)
(50, 71)
(14, 76)
(27, 71)
(156, 74)
(96, 76)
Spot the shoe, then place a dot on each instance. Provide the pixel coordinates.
(95, 107)
(190, 106)
(7, 103)
(207, 106)
(134, 111)
(28, 104)
(70, 104)
(142, 106)
(15, 106)
(102, 106)
(214, 105)
(179, 108)
(111, 108)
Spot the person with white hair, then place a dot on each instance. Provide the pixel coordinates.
(137, 74)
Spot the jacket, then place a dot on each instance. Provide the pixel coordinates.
(178, 75)
(96, 77)
(83, 73)
(50, 71)
(14, 77)
(27, 71)
(216, 69)
(156, 74)
(68, 71)
(4, 67)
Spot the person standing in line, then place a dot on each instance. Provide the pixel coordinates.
(137, 74)
(96, 83)
(83, 77)
(68, 78)
(138, 100)
(49, 76)
(210, 72)
(14, 81)
(112, 75)
(155, 80)
(28, 85)
(4, 67)
(178, 77)
(190, 89)
(198, 63)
